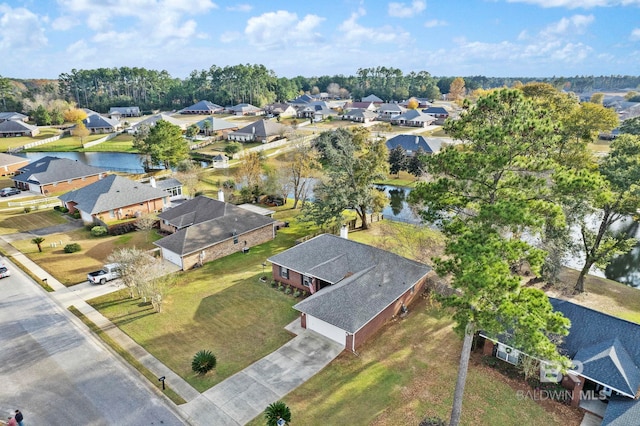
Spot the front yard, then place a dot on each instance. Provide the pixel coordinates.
(222, 307)
(72, 268)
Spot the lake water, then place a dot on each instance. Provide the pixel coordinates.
(624, 269)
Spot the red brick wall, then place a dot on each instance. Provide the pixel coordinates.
(227, 247)
(146, 207)
(295, 278)
(62, 187)
(10, 169)
(392, 310)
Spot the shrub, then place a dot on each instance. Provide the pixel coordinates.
(297, 293)
(72, 248)
(64, 210)
(99, 231)
(203, 362)
(288, 290)
(280, 287)
(432, 421)
(57, 208)
(274, 284)
(276, 411)
(76, 215)
(27, 209)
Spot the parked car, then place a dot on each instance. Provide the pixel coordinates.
(4, 272)
(107, 273)
(5, 192)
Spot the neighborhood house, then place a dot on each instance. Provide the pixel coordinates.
(203, 229)
(9, 164)
(51, 175)
(355, 288)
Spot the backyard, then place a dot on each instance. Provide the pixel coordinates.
(13, 142)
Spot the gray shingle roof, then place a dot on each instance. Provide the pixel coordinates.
(371, 98)
(365, 279)
(165, 184)
(53, 169)
(203, 222)
(414, 115)
(609, 362)
(125, 110)
(12, 116)
(12, 126)
(204, 106)
(594, 332)
(110, 193)
(96, 121)
(8, 159)
(261, 129)
(622, 411)
(151, 121)
(409, 143)
(217, 124)
(436, 110)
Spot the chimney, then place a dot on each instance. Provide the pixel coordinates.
(152, 181)
(220, 195)
(344, 232)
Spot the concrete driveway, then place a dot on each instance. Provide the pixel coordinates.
(56, 373)
(245, 395)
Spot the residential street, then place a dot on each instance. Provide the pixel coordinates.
(58, 374)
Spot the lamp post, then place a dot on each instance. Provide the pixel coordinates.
(162, 380)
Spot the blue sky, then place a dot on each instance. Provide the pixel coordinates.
(525, 38)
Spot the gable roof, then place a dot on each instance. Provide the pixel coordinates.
(244, 108)
(597, 339)
(371, 98)
(392, 107)
(110, 193)
(151, 121)
(621, 412)
(365, 279)
(435, 110)
(125, 110)
(361, 113)
(12, 116)
(203, 106)
(414, 115)
(96, 121)
(203, 222)
(609, 363)
(167, 183)
(217, 124)
(8, 160)
(261, 129)
(12, 126)
(49, 169)
(410, 143)
(302, 99)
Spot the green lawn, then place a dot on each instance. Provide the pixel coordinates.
(121, 143)
(67, 143)
(405, 373)
(7, 143)
(222, 307)
(18, 221)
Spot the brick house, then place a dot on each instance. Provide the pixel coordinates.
(53, 175)
(9, 164)
(204, 229)
(115, 198)
(606, 354)
(355, 288)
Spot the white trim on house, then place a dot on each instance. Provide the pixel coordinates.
(328, 330)
(171, 257)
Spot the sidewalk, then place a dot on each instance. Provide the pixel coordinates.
(236, 400)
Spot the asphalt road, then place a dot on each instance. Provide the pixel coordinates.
(56, 373)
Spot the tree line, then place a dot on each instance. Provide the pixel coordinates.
(102, 88)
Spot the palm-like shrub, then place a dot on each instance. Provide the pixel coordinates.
(276, 411)
(203, 362)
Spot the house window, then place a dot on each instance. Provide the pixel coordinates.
(112, 213)
(508, 354)
(284, 272)
(306, 281)
(235, 239)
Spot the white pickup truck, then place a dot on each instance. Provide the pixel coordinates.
(107, 273)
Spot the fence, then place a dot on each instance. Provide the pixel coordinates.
(276, 144)
(49, 201)
(36, 143)
(99, 141)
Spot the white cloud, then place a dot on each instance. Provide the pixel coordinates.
(635, 34)
(404, 10)
(575, 24)
(575, 4)
(21, 29)
(64, 23)
(355, 34)
(156, 21)
(435, 23)
(273, 29)
(240, 8)
(230, 36)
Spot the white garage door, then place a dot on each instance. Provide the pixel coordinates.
(172, 257)
(327, 330)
